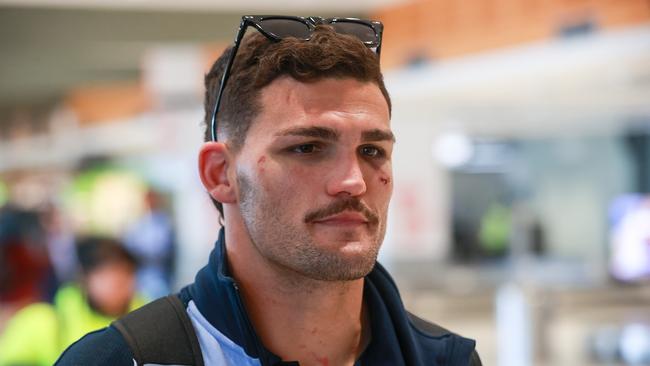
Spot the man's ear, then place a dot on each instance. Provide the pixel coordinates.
(214, 160)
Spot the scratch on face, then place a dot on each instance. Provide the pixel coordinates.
(260, 163)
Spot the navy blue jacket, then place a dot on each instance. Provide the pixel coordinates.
(227, 337)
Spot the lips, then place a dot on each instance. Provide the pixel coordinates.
(346, 218)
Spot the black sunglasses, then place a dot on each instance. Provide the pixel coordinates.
(278, 27)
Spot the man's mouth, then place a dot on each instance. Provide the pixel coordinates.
(346, 218)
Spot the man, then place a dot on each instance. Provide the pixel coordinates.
(298, 160)
(38, 333)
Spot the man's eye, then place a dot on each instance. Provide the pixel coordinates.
(371, 151)
(304, 149)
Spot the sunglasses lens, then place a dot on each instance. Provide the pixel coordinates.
(362, 31)
(283, 28)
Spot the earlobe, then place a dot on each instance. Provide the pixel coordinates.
(213, 170)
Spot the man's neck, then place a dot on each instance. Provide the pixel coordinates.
(298, 318)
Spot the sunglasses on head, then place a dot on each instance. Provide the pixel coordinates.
(278, 27)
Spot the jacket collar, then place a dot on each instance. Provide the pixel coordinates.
(394, 340)
(217, 297)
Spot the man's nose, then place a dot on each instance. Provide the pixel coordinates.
(346, 177)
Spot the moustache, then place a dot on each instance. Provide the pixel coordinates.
(340, 205)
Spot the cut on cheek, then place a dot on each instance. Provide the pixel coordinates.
(260, 163)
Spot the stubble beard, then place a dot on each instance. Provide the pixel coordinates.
(290, 246)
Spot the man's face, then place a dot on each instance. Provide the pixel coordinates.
(314, 177)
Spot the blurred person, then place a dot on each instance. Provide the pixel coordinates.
(38, 333)
(24, 262)
(495, 230)
(60, 244)
(151, 240)
(299, 166)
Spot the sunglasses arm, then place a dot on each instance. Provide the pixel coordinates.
(226, 74)
(380, 35)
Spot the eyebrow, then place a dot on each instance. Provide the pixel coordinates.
(377, 135)
(316, 132)
(331, 134)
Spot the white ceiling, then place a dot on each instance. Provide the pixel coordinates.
(247, 6)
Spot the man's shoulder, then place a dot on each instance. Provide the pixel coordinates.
(102, 347)
(432, 330)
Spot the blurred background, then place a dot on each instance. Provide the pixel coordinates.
(521, 211)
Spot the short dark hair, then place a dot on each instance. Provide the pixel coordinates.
(96, 251)
(260, 61)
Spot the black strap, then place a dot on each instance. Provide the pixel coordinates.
(161, 333)
(427, 327)
(436, 330)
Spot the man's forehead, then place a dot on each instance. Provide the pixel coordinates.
(323, 94)
(345, 106)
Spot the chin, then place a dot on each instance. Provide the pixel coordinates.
(350, 261)
(354, 271)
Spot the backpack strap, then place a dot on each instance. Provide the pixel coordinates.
(427, 327)
(161, 333)
(437, 331)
